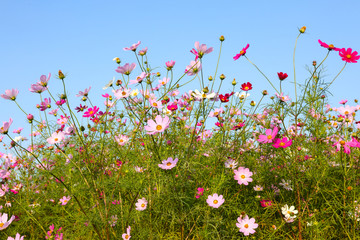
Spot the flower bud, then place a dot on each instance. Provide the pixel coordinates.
(158, 74)
(210, 78)
(222, 38)
(314, 63)
(252, 103)
(63, 96)
(206, 90)
(222, 77)
(61, 75)
(117, 60)
(233, 82)
(84, 99)
(82, 128)
(30, 117)
(118, 82)
(265, 92)
(302, 30)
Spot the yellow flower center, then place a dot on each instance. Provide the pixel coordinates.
(143, 205)
(331, 46)
(246, 225)
(127, 236)
(123, 93)
(269, 137)
(158, 127)
(215, 201)
(348, 56)
(168, 164)
(246, 88)
(281, 144)
(56, 139)
(1, 224)
(242, 52)
(91, 112)
(155, 104)
(242, 176)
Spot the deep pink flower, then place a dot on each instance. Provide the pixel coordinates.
(91, 112)
(348, 56)
(45, 104)
(132, 47)
(284, 142)
(242, 52)
(10, 94)
(265, 203)
(282, 75)
(269, 135)
(201, 50)
(329, 47)
(170, 65)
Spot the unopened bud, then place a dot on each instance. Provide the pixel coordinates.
(265, 92)
(30, 117)
(63, 96)
(84, 99)
(222, 38)
(61, 75)
(222, 77)
(158, 74)
(206, 90)
(82, 128)
(302, 30)
(233, 82)
(210, 78)
(322, 96)
(252, 103)
(355, 100)
(314, 63)
(117, 60)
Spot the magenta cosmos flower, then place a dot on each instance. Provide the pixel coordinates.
(243, 175)
(10, 94)
(91, 112)
(201, 50)
(168, 163)
(348, 56)
(329, 47)
(126, 69)
(284, 142)
(246, 226)
(170, 65)
(215, 200)
(269, 135)
(157, 126)
(6, 125)
(132, 47)
(126, 235)
(242, 52)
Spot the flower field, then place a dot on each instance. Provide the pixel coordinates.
(153, 161)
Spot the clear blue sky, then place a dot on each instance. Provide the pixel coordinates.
(82, 37)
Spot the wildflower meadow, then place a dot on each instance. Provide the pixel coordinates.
(149, 160)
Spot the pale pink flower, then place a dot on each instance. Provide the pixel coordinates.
(282, 98)
(10, 94)
(126, 69)
(56, 137)
(84, 93)
(44, 80)
(168, 163)
(143, 52)
(4, 223)
(139, 78)
(121, 139)
(157, 126)
(269, 135)
(141, 204)
(5, 128)
(121, 93)
(64, 200)
(156, 104)
(243, 175)
(126, 236)
(201, 50)
(132, 47)
(246, 226)
(193, 68)
(17, 237)
(215, 200)
(164, 81)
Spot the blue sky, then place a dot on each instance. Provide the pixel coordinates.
(82, 37)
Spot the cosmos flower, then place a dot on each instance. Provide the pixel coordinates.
(168, 163)
(242, 52)
(348, 56)
(246, 226)
(215, 200)
(126, 236)
(132, 47)
(157, 126)
(243, 175)
(141, 204)
(10, 94)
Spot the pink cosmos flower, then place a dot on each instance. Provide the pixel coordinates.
(201, 50)
(64, 200)
(193, 68)
(10, 94)
(121, 139)
(141, 204)
(37, 88)
(17, 237)
(122, 93)
(45, 104)
(157, 126)
(6, 125)
(269, 135)
(329, 47)
(4, 223)
(139, 79)
(200, 192)
(126, 236)
(44, 80)
(246, 226)
(265, 203)
(164, 81)
(126, 69)
(18, 130)
(242, 52)
(348, 56)
(168, 164)
(85, 93)
(282, 98)
(91, 112)
(284, 142)
(170, 65)
(243, 175)
(132, 47)
(143, 52)
(215, 200)
(56, 137)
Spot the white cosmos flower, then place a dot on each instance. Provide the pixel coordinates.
(109, 84)
(242, 95)
(289, 212)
